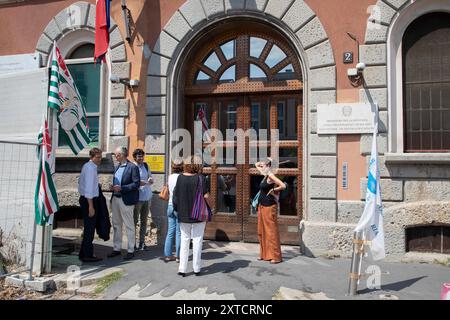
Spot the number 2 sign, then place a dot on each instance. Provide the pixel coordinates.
(348, 57)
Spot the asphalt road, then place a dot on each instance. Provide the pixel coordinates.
(232, 271)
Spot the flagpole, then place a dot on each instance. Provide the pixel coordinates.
(370, 209)
(33, 244)
(355, 270)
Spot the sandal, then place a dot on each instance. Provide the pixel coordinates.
(274, 261)
(168, 259)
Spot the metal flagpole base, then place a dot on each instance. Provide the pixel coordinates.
(354, 276)
(33, 244)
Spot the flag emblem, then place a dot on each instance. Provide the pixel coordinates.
(63, 96)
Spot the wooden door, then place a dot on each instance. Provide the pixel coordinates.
(233, 179)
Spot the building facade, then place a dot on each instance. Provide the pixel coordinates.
(267, 64)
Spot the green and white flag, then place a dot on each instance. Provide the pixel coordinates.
(45, 198)
(63, 96)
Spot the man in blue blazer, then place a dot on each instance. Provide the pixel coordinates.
(125, 195)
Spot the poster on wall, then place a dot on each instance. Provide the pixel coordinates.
(156, 163)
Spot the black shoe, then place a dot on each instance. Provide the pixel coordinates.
(113, 254)
(182, 274)
(130, 255)
(142, 247)
(91, 259)
(197, 273)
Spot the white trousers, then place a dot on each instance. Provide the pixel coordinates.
(194, 231)
(123, 214)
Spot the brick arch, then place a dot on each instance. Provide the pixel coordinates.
(77, 21)
(294, 18)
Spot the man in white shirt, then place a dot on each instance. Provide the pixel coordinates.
(89, 189)
(141, 209)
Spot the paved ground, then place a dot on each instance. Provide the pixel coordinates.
(231, 271)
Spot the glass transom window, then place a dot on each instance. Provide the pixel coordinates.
(264, 60)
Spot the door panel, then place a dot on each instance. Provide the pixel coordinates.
(224, 175)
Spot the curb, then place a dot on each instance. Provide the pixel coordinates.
(76, 282)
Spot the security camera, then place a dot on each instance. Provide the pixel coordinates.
(356, 74)
(360, 66)
(134, 83)
(129, 83)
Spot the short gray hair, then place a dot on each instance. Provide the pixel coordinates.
(123, 150)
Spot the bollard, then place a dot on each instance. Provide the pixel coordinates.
(445, 293)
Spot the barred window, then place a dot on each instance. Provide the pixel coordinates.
(426, 74)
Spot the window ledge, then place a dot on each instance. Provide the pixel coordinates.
(418, 158)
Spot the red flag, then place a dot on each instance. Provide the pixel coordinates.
(201, 116)
(101, 31)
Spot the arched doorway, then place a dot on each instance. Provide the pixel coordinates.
(247, 78)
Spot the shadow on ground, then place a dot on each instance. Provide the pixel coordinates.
(65, 254)
(396, 286)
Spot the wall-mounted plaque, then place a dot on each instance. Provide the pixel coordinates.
(156, 163)
(345, 118)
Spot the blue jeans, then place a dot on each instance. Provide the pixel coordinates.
(173, 226)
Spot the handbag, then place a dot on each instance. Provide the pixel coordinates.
(255, 200)
(201, 210)
(164, 194)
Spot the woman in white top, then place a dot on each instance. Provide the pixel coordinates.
(173, 227)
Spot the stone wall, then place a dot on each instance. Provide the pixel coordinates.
(415, 189)
(68, 171)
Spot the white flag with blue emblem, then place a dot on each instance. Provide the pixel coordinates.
(371, 221)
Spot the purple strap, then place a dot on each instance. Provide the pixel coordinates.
(200, 210)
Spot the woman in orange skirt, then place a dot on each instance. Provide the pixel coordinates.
(268, 235)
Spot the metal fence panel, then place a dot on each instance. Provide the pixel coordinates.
(18, 175)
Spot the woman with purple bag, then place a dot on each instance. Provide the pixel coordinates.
(189, 200)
